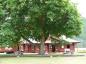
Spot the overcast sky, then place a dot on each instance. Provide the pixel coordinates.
(81, 4)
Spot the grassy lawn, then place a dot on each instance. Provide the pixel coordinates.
(43, 60)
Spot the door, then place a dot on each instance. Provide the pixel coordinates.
(53, 48)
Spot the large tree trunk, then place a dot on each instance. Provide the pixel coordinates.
(42, 46)
(42, 26)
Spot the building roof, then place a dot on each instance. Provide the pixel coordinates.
(23, 41)
(71, 40)
(63, 38)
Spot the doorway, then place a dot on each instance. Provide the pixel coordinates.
(53, 48)
(68, 46)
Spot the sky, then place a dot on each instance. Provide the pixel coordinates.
(81, 5)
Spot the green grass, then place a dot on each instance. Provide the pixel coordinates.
(43, 60)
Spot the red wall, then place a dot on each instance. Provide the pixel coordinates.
(48, 48)
(28, 48)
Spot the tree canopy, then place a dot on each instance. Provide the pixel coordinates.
(37, 19)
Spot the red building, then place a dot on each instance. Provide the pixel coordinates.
(65, 45)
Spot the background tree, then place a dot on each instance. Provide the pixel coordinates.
(38, 19)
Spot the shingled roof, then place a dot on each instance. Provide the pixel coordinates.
(49, 40)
